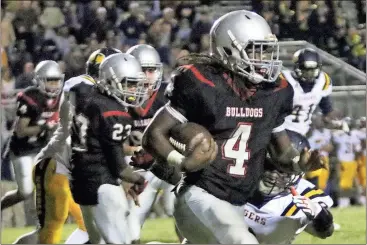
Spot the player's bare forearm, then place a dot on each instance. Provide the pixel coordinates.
(332, 120)
(127, 174)
(327, 148)
(169, 173)
(22, 128)
(156, 136)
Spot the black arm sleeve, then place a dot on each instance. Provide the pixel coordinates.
(326, 105)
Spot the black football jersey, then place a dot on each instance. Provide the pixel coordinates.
(143, 115)
(34, 104)
(99, 127)
(241, 128)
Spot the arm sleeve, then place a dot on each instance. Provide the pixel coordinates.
(326, 105)
(285, 110)
(59, 137)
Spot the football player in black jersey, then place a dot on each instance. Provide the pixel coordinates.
(153, 68)
(100, 125)
(236, 94)
(54, 201)
(37, 117)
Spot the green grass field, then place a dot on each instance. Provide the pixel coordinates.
(352, 221)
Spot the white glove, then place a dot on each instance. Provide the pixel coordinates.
(311, 209)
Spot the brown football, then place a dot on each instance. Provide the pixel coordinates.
(182, 134)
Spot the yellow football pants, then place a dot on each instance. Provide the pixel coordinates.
(348, 172)
(361, 161)
(320, 177)
(54, 202)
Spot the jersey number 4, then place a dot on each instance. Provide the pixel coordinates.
(235, 149)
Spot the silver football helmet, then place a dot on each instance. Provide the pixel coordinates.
(49, 77)
(243, 41)
(121, 76)
(151, 63)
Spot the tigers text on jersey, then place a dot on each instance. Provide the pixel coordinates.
(278, 220)
(241, 128)
(347, 145)
(100, 125)
(304, 104)
(319, 139)
(58, 146)
(32, 103)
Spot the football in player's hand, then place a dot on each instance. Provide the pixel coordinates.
(195, 143)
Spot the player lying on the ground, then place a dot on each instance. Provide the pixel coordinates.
(284, 205)
(276, 214)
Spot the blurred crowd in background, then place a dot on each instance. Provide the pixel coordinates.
(68, 31)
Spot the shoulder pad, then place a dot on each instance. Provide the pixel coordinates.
(69, 84)
(328, 80)
(196, 72)
(29, 95)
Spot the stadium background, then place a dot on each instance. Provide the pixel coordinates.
(68, 31)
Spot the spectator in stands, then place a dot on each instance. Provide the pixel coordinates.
(8, 97)
(112, 11)
(202, 26)
(73, 20)
(133, 26)
(7, 30)
(185, 10)
(75, 62)
(25, 79)
(49, 51)
(19, 56)
(184, 30)
(52, 16)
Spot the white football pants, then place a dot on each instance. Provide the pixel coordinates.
(203, 218)
(23, 167)
(138, 215)
(107, 221)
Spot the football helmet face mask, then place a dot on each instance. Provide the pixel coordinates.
(49, 77)
(121, 77)
(307, 65)
(274, 181)
(150, 62)
(96, 59)
(242, 40)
